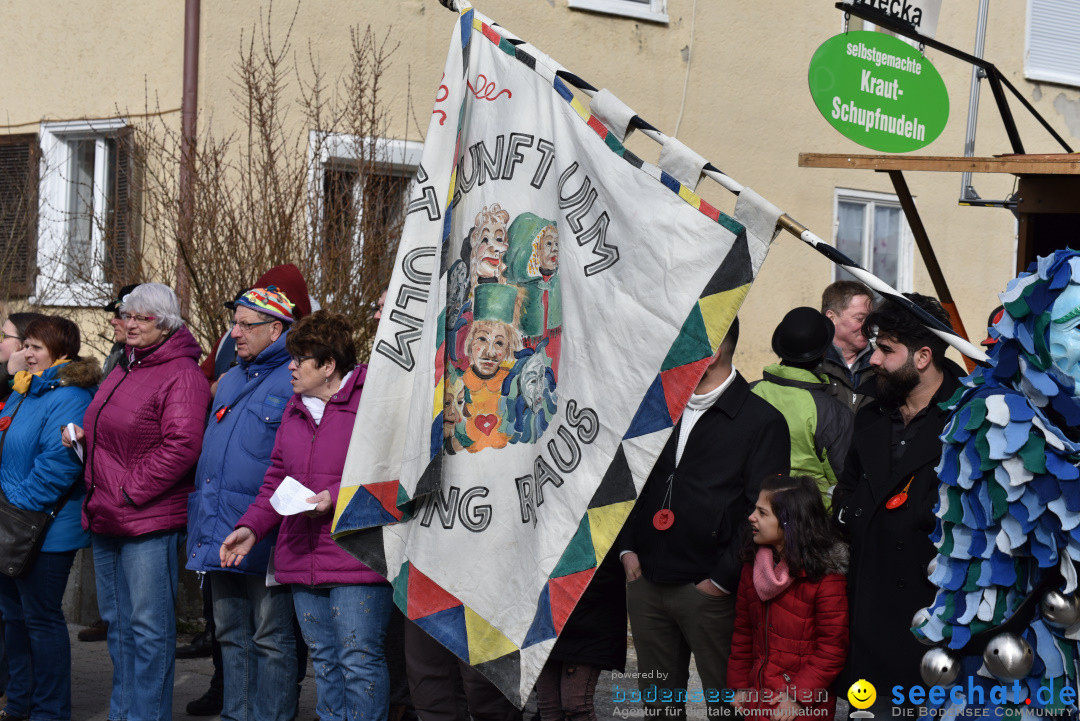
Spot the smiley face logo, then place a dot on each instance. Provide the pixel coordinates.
(862, 694)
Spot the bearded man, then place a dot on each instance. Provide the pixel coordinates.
(885, 499)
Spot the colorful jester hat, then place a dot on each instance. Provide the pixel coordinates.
(1008, 516)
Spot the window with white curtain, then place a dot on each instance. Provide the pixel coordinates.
(1052, 42)
(870, 228)
(80, 161)
(655, 10)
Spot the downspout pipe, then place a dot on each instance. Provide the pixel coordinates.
(189, 111)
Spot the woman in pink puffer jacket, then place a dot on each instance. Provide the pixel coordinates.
(342, 605)
(143, 434)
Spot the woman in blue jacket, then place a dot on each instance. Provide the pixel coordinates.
(36, 472)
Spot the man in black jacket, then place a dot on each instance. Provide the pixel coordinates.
(886, 495)
(681, 546)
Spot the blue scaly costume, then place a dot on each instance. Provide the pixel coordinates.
(1008, 518)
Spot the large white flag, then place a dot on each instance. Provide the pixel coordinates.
(553, 304)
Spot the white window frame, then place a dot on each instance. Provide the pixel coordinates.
(395, 157)
(905, 265)
(51, 287)
(1050, 73)
(653, 10)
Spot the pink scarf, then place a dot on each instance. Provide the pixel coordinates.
(769, 580)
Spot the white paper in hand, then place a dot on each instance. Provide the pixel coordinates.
(74, 443)
(291, 497)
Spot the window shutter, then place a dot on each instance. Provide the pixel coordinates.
(339, 212)
(1052, 53)
(19, 158)
(122, 230)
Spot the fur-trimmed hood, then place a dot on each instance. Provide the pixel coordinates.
(82, 373)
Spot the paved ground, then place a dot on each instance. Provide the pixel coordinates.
(92, 681)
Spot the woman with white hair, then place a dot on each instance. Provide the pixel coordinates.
(143, 434)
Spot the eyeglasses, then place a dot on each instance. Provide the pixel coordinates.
(299, 359)
(140, 319)
(245, 328)
(4, 336)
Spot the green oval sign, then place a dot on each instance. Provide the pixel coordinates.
(879, 91)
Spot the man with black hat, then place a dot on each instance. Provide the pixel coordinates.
(119, 332)
(819, 424)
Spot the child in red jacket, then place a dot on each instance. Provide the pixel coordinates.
(791, 620)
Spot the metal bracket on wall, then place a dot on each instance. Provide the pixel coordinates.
(998, 82)
(982, 69)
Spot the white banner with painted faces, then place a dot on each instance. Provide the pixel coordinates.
(554, 302)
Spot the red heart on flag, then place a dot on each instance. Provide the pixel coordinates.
(486, 424)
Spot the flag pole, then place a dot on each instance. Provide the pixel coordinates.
(786, 222)
(934, 325)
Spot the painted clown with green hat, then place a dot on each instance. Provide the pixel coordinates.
(532, 264)
(490, 346)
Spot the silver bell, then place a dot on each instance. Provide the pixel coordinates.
(921, 616)
(1060, 610)
(1008, 657)
(939, 667)
(931, 567)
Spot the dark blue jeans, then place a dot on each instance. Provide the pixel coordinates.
(136, 589)
(36, 636)
(254, 625)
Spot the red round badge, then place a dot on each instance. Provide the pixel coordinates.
(5, 422)
(663, 519)
(896, 501)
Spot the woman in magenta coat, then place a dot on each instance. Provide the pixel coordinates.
(143, 434)
(791, 622)
(342, 605)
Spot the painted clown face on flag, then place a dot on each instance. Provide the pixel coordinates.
(489, 344)
(488, 239)
(504, 329)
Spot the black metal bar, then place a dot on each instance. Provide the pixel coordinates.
(994, 78)
(922, 240)
(926, 250)
(980, 203)
(1033, 111)
(877, 17)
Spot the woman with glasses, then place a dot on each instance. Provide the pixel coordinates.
(143, 433)
(38, 473)
(12, 335)
(342, 605)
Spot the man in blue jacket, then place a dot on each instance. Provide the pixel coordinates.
(253, 621)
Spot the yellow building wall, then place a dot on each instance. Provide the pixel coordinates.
(746, 106)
